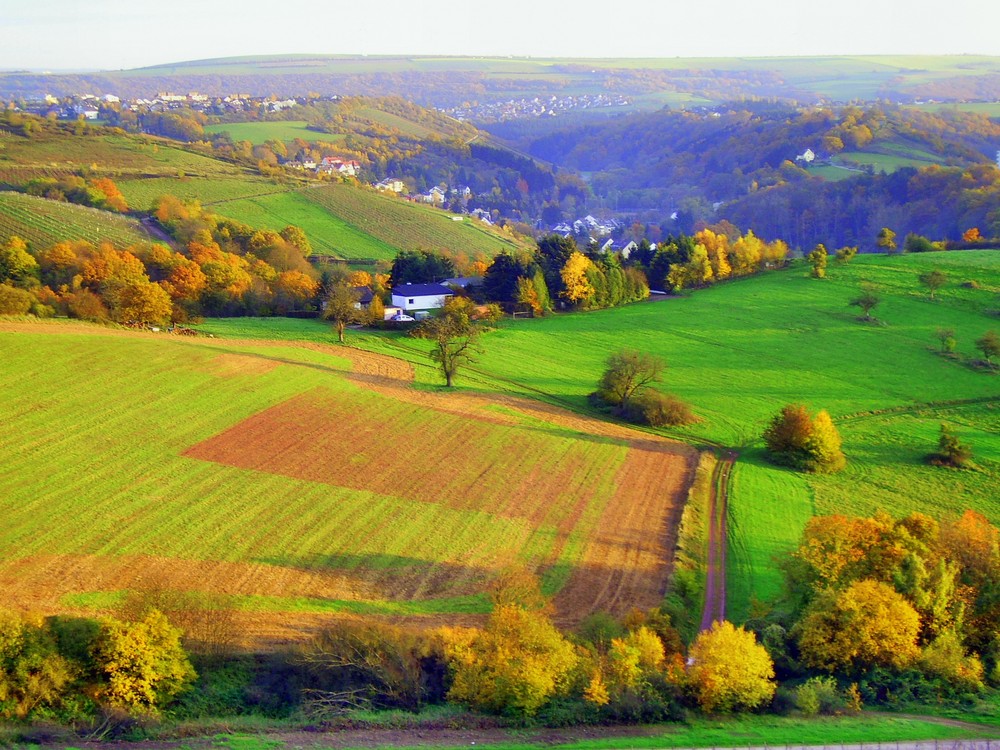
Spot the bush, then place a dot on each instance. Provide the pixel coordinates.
(14, 301)
(951, 451)
(659, 410)
(819, 695)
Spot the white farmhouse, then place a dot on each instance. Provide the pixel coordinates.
(411, 297)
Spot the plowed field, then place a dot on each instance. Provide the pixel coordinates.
(295, 483)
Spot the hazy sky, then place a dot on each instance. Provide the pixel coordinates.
(112, 34)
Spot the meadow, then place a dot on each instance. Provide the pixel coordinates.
(142, 193)
(269, 479)
(42, 222)
(261, 132)
(739, 351)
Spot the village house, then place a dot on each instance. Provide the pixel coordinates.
(420, 297)
(390, 185)
(332, 164)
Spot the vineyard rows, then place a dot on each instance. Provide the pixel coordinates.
(42, 222)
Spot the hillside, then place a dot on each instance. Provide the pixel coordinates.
(291, 483)
(42, 222)
(448, 81)
(739, 351)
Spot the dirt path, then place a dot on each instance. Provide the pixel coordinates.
(715, 573)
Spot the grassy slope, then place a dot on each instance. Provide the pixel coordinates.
(90, 470)
(351, 222)
(42, 222)
(259, 132)
(737, 352)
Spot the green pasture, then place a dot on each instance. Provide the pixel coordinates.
(91, 463)
(141, 193)
(738, 351)
(42, 222)
(990, 109)
(329, 233)
(886, 162)
(260, 132)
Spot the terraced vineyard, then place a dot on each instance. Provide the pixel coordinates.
(266, 475)
(42, 222)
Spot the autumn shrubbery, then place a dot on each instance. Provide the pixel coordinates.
(905, 609)
(797, 439)
(72, 668)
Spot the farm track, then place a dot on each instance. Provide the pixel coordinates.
(715, 573)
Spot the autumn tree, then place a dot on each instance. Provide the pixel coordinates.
(865, 625)
(818, 259)
(14, 301)
(796, 439)
(294, 235)
(34, 676)
(576, 287)
(454, 336)
(728, 670)
(17, 266)
(342, 307)
(142, 664)
(512, 667)
(867, 299)
(989, 345)
(627, 373)
(846, 254)
(886, 240)
(971, 235)
(933, 280)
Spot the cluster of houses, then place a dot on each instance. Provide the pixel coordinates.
(513, 109)
(89, 106)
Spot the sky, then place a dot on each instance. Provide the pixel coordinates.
(115, 34)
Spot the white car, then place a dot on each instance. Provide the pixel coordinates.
(402, 318)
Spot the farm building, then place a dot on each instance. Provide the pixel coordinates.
(412, 297)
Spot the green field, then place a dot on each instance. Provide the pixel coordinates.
(367, 509)
(354, 223)
(141, 193)
(329, 233)
(409, 225)
(739, 351)
(42, 222)
(260, 132)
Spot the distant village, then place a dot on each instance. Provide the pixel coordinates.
(514, 109)
(588, 230)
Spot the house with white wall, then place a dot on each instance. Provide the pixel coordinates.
(411, 297)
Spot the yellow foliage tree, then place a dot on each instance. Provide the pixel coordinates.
(747, 254)
(729, 670)
(867, 624)
(142, 663)
(576, 287)
(512, 667)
